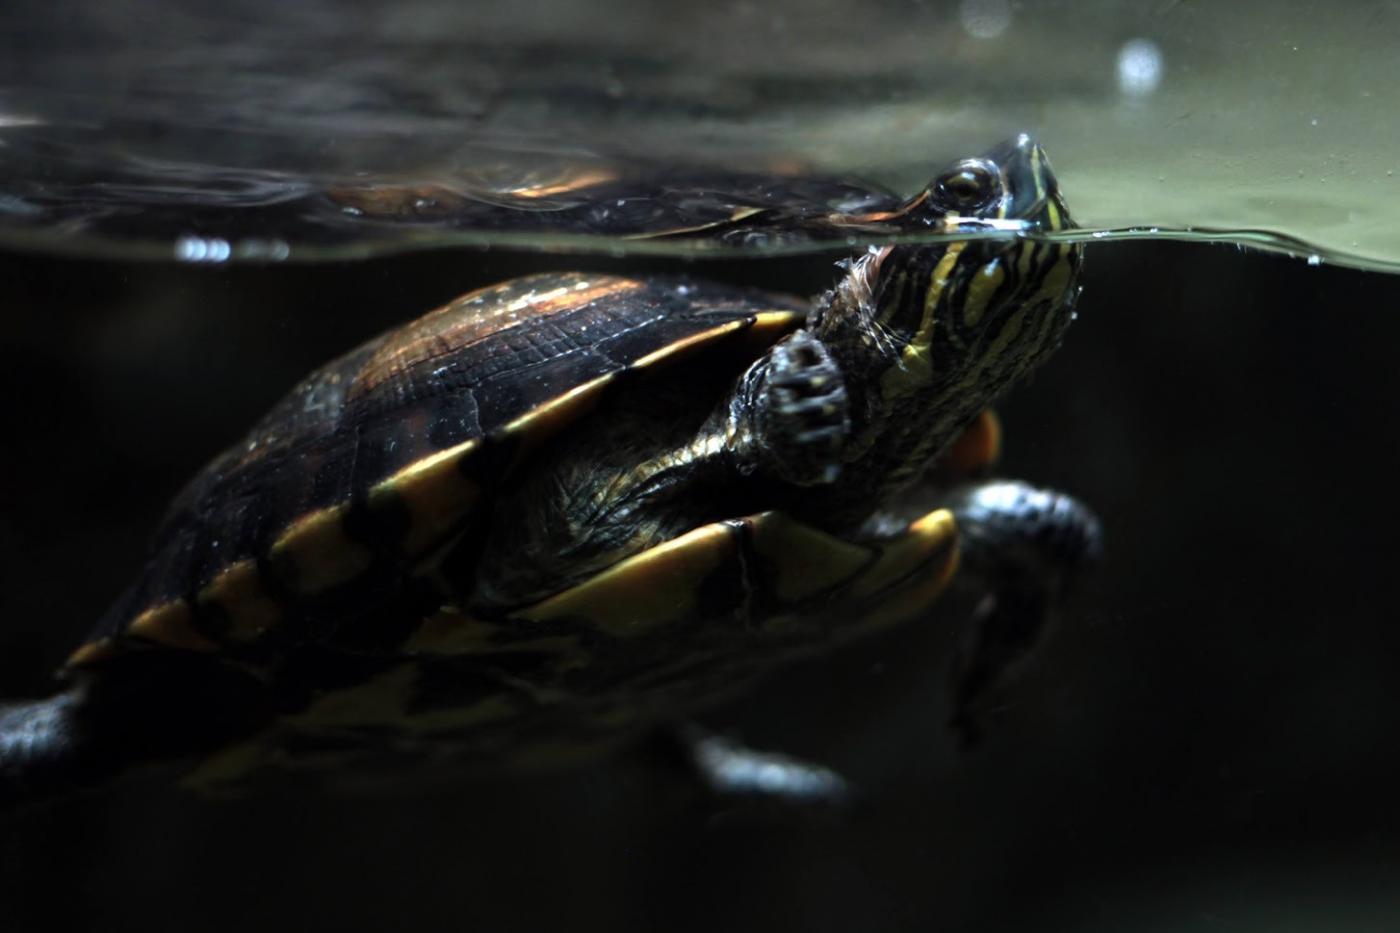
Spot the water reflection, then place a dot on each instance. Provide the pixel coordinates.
(121, 139)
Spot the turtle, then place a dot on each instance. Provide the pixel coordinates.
(567, 510)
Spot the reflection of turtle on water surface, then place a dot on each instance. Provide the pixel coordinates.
(85, 196)
(564, 509)
(634, 201)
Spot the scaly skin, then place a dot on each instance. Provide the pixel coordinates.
(830, 424)
(827, 426)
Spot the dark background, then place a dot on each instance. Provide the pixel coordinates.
(1208, 742)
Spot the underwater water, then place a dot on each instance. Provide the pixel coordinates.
(1207, 741)
(1209, 733)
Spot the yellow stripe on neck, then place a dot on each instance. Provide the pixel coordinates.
(914, 370)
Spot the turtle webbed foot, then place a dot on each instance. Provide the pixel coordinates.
(1024, 546)
(794, 405)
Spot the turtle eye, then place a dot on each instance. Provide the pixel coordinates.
(968, 186)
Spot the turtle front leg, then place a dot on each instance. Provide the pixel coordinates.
(651, 474)
(790, 415)
(1024, 546)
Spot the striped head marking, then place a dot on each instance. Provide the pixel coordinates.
(936, 330)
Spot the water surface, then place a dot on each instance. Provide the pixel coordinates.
(227, 131)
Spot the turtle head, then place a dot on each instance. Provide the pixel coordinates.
(1011, 187)
(929, 334)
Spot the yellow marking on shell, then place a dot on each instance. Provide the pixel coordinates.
(315, 554)
(172, 625)
(904, 583)
(914, 600)
(238, 590)
(914, 369)
(93, 653)
(801, 561)
(544, 420)
(768, 328)
(928, 546)
(689, 343)
(776, 320)
(772, 326)
(646, 591)
(902, 577)
(702, 447)
(435, 493)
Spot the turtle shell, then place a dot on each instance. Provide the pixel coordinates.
(386, 455)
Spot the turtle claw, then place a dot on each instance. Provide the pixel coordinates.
(799, 413)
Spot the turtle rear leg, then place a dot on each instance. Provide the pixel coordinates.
(734, 774)
(146, 708)
(1024, 547)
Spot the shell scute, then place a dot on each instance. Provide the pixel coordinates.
(379, 457)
